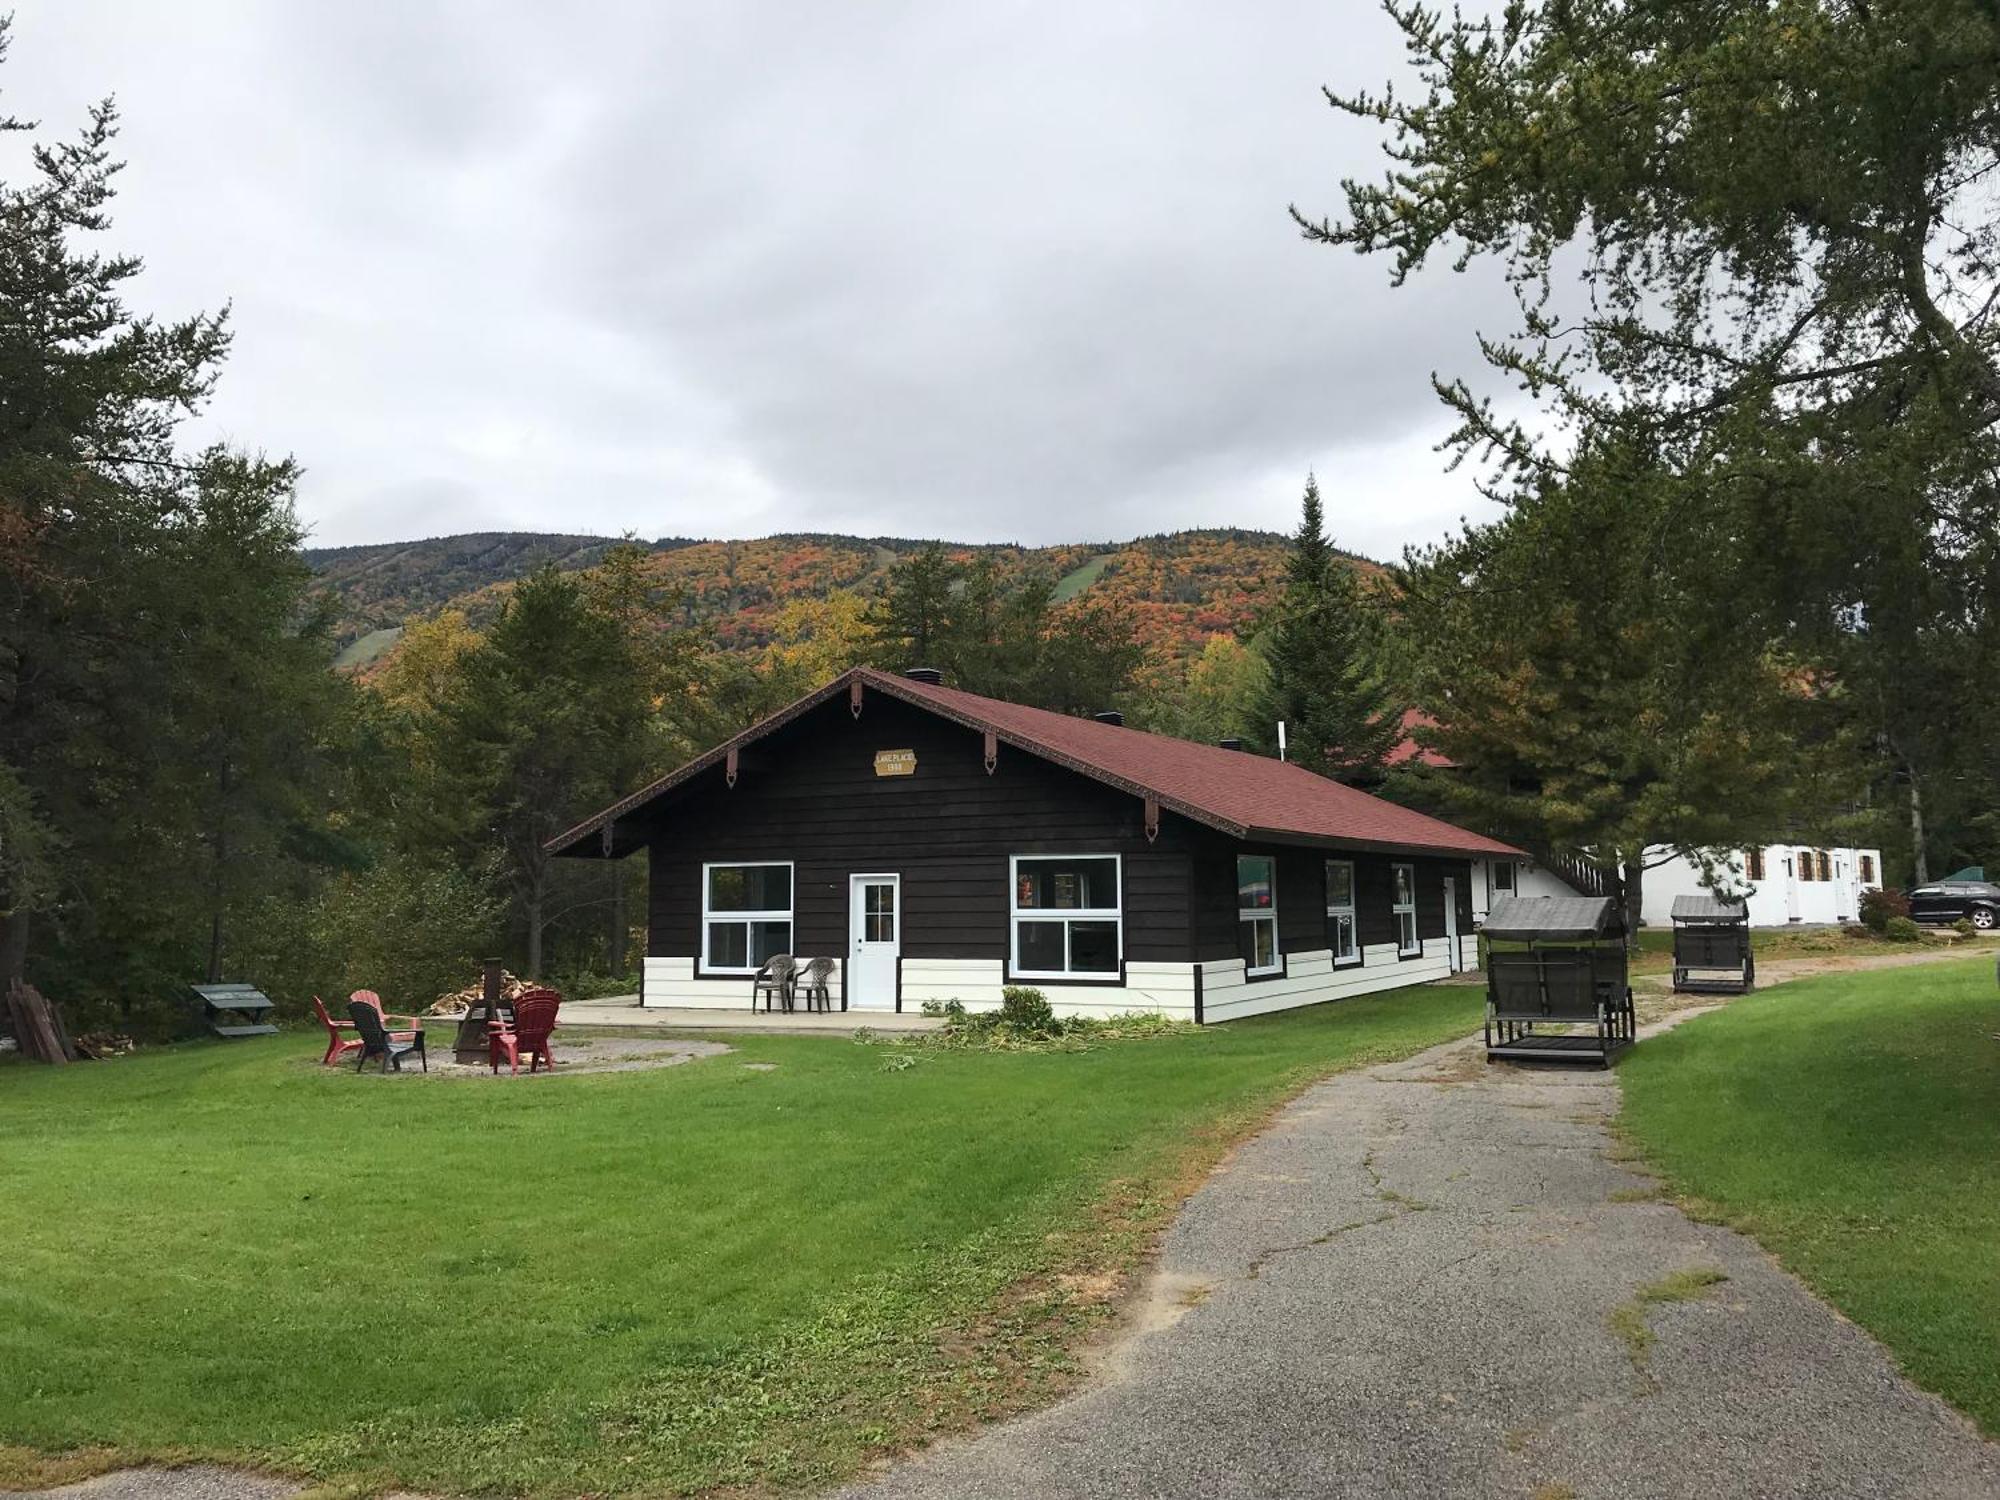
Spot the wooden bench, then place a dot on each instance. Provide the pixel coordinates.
(234, 1010)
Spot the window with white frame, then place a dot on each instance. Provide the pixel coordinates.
(1503, 877)
(1257, 912)
(746, 916)
(1341, 936)
(1405, 908)
(1068, 917)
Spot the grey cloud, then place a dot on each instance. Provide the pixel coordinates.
(997, 271)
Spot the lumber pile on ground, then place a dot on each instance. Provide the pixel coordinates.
(98, 1045)
(37, 1025)
(456, 1004)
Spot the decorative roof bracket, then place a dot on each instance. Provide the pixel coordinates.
(992, 751)
(854, 697)
(729, 768)
(1152, 819)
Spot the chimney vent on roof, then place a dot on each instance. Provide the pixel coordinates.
(1232, 743)
(926, 674)
(1109, 716)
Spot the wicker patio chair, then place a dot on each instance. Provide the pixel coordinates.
(815, 982)
(774, 981)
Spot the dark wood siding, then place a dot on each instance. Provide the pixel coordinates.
(1302, 895)
(809, 794)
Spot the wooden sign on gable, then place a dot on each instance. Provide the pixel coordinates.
(895, 762)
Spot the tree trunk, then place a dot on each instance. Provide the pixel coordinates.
(221, 843)
(532, 908)
(14, 947)
(1632, 886)
(615, 935)
(1921, 861)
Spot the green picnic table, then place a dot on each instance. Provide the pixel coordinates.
(233, 1010)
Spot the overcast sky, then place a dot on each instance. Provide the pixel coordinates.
(995, 271)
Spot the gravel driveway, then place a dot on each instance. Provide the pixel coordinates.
(1407, 1287)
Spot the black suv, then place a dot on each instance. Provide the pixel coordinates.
(1978, 901)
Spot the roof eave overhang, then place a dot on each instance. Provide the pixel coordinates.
(1377, 846)
(571, 842)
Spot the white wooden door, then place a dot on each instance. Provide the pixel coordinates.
(1451, 923)
(874, 940)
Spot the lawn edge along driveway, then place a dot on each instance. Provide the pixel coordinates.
(1849, 1124)
(1005, 1201)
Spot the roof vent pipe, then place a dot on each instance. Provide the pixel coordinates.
(1109, 716)
(926, 674)
(1232, 743)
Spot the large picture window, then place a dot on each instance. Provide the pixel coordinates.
(1257, 913)
(1404, 878)
(746, 916)
(1340, 931)
(1068, 917)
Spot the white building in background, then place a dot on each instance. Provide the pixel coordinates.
(1514, 877)
(1781, 883)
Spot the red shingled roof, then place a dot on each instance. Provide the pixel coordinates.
(1408, 750)
(1239, 793)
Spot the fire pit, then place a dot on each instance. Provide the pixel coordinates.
(470, 1044)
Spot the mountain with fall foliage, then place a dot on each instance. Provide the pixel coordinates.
(1179, 588)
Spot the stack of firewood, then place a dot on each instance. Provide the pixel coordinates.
(448, 1007)
(37, 1025)
(97, 1045)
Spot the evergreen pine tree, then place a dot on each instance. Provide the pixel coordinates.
(1323, 645)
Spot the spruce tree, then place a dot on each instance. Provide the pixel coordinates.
(1323, 643)
(165, 704)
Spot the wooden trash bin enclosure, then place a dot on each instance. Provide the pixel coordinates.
(1712, 946)
(1556, 983)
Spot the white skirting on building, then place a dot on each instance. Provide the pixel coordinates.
(1168, 988)
(1310, 978)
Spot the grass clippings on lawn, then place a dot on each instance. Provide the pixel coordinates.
(669, 1281)
(1851, 1123)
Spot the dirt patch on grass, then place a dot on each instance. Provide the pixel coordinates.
(25, 1469)
(591, 1054)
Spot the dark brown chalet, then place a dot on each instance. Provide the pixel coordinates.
(941, 845)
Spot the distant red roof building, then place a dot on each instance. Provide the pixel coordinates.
(1409, 752)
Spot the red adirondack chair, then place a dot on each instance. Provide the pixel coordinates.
(341, 1037)
(534, 1019)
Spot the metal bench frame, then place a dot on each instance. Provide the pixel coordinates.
(1536, 985)
(1712, 955)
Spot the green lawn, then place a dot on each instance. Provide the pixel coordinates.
(1852, 1124)
(657, 1281)
(1656, 945)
